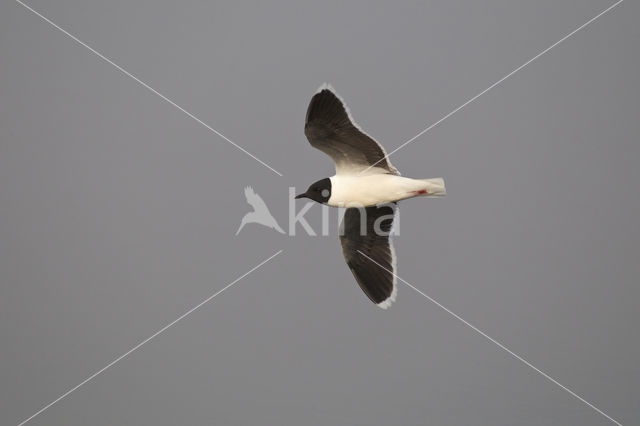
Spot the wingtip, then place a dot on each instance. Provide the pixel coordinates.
(326, 86)
(389, 301)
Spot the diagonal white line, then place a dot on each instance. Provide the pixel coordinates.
(500, 345)
(497, 83)
(67, 393)
(127, 73)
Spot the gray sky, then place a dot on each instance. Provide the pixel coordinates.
(118, 214)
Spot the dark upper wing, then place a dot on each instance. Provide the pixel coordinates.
(330, 129)
(368, 251)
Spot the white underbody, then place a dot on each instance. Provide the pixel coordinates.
(355, 190)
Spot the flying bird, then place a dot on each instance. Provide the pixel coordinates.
(260, 213)
(368, 186)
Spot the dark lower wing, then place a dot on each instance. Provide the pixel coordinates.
(368, 251)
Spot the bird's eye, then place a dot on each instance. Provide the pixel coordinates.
(325, 192)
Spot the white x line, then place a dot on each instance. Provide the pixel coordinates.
(127, 73)
(163, 329)
(496, 83)
(500, 345)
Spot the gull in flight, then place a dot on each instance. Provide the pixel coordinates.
(368, 186)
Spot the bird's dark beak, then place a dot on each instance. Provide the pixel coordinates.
(301, 196)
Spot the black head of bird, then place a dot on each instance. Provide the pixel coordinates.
(319, 191)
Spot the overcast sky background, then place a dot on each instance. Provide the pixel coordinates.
(118, 214)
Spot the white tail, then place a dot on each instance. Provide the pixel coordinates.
(435, 187)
